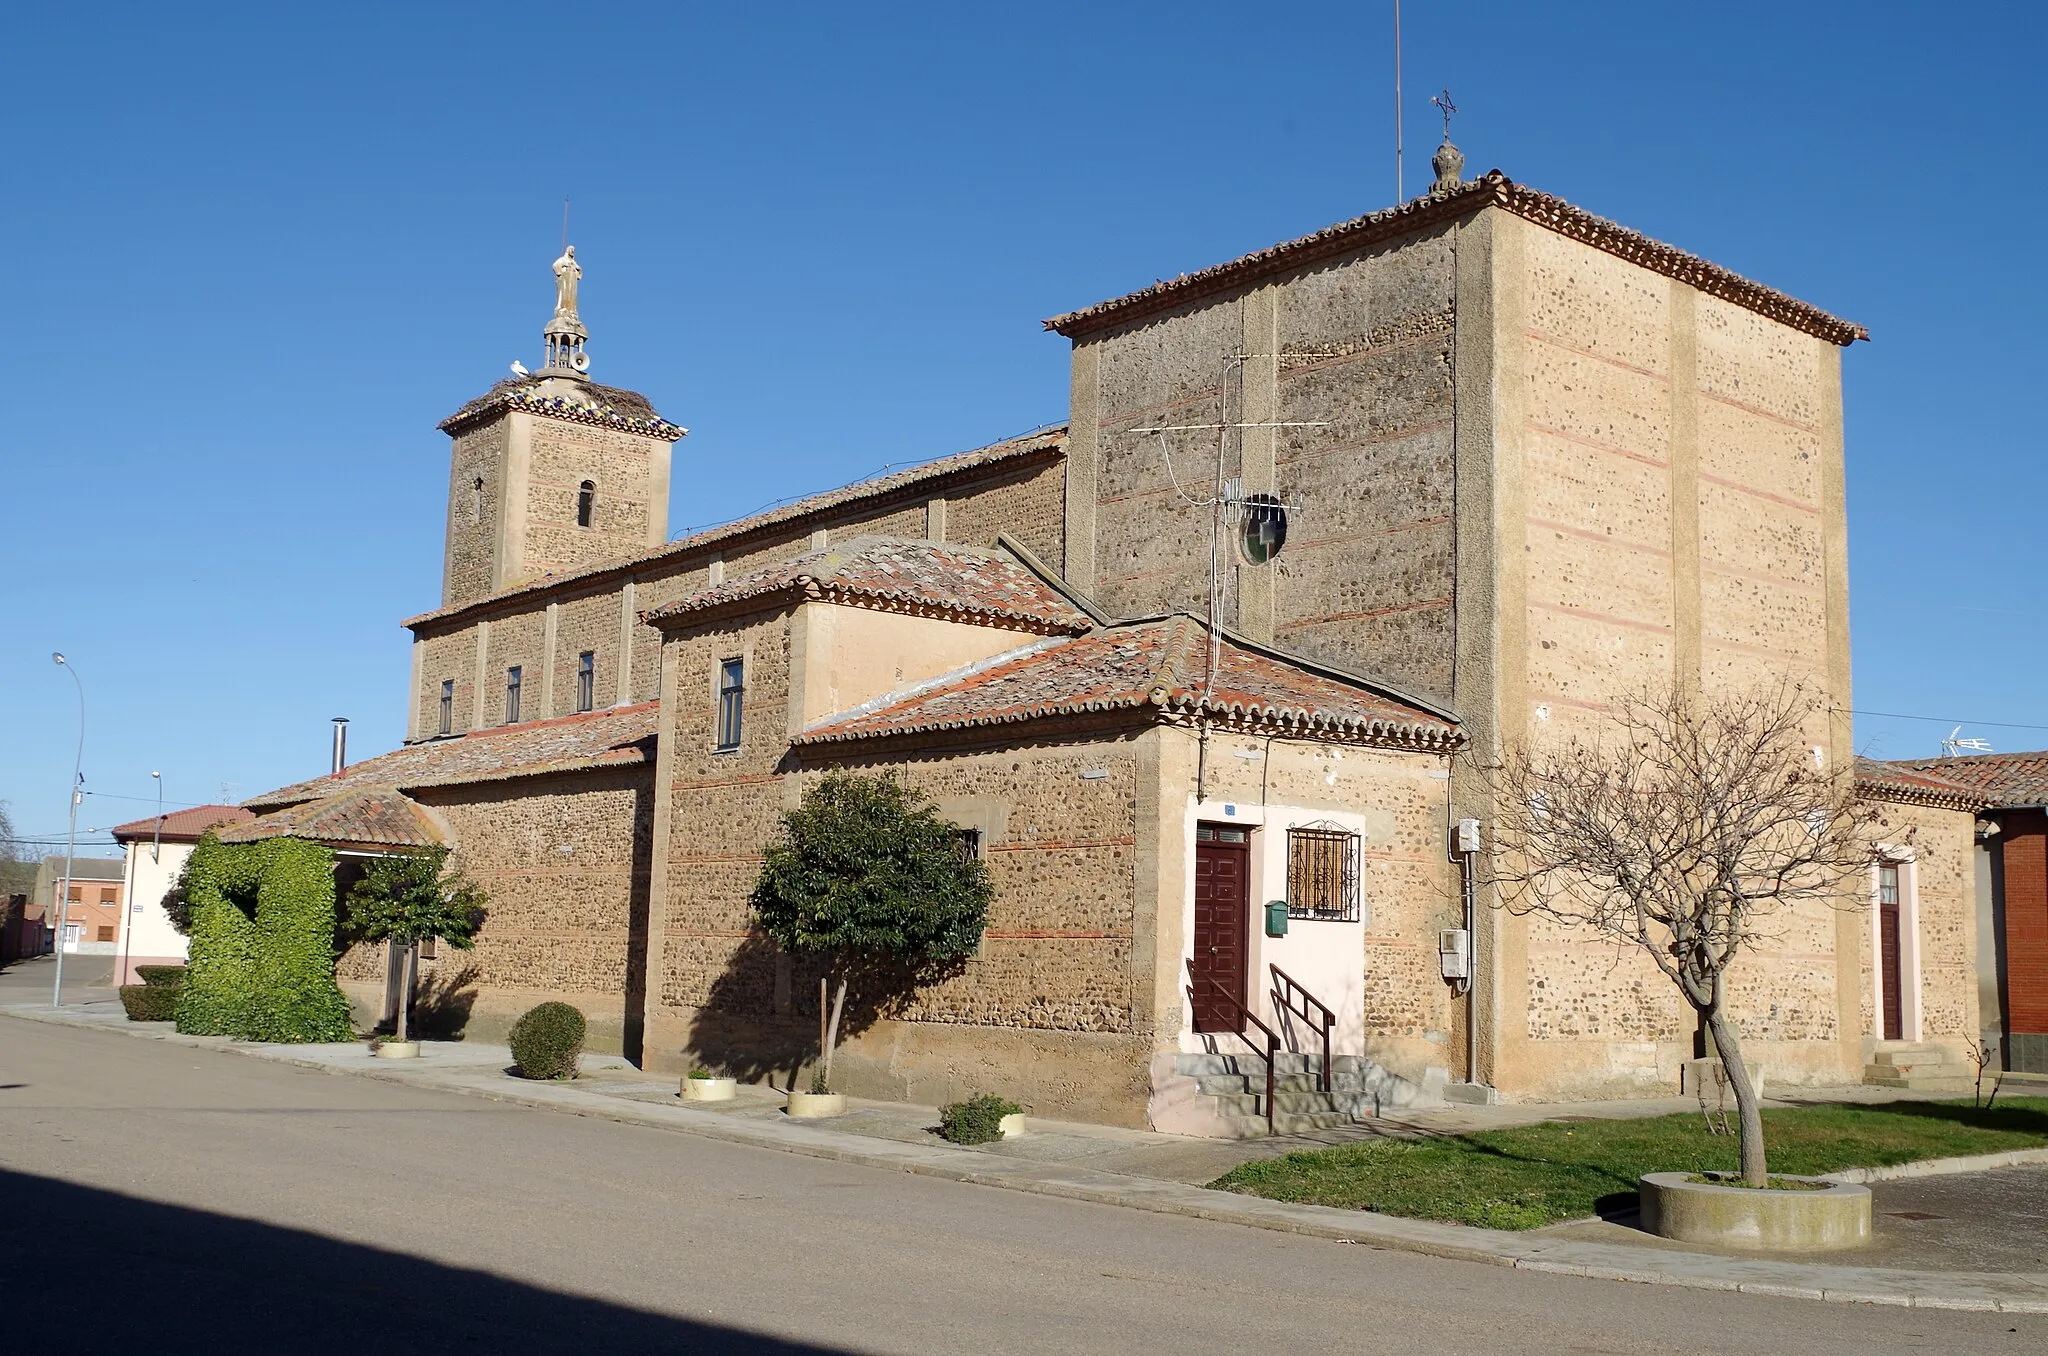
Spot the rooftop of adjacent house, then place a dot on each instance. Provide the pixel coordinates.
(1914, 786)
(1492, 189)
(1996, 780)
(373, 817)
(615, 737)
(86, 868)
(908, 483)
(179, 826)
(1158, 665)
(609, 406)
(990, 588)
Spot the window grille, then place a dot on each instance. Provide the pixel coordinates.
(1322, 873)
(512, 685)
(732, 688)
(970, 845)
(586, 681)
(447, 706)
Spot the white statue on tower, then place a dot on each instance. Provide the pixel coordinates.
(567, 272)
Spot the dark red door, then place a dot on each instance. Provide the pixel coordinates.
(1222, 909)
(1888, 950)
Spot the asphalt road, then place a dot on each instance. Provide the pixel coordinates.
(201, 1201)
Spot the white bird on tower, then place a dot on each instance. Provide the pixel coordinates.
(519, 369)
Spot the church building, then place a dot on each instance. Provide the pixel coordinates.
(1200, 674)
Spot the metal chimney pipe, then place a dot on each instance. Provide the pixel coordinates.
(340, 744)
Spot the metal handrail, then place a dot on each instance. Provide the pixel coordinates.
(1286, 989)
(1272, 1036)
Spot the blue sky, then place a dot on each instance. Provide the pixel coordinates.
(256, 253)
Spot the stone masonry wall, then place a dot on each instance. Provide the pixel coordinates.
(565, 864)
(1027, 503)
(1941, 846)
(478, 454)
(623, 468)
(1359, 347)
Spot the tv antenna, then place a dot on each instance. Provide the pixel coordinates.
(1227, 502)
(1952, 747)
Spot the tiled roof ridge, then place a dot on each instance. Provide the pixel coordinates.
(790, 578)
(1907, 785)
(523, 394)
(1167, 687)
(175, 822)
(1042, 442)
(2006, 781)
(1490, 189)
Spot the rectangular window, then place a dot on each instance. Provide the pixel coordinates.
(732, 691)
(104, 933)
(430, 948)
(586, 681)
(1322, 874)
(970, 845)
(76, 894)
(448, 706)
(512, 695)
(107, 896)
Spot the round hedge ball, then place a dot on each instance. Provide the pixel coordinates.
(547, 1040)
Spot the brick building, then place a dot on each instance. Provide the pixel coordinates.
(1520, 459)
(91, 921)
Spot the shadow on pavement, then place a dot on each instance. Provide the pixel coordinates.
(172, 1279)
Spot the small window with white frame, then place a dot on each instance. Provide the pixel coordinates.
(1323, 869)
(732, 693)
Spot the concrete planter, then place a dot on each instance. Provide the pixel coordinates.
(1837, 1216)
(397, 1050)
(710, 1089)
(1012, 1125)
(814, 1106)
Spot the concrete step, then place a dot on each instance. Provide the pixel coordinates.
(1925, 1082)
(1900, 1053)
(1217, 1085)
(1289, 1103)
(1254, 1127)
(1197, 1065)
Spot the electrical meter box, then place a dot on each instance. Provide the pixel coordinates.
(1454, 950)
(1276, 918)
(1467, 836)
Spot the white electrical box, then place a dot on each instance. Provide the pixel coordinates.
(1454, 950)
(1467, 835)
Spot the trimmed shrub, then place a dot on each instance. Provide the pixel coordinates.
(151, 1002)
(976, 1120)
(167, 975)
(547, 1041)
(262, 951)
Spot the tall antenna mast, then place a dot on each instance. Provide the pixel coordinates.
(1400, 180)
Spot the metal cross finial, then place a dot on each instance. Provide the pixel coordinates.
(1443, 102)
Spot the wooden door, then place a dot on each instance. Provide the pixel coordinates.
(1889, 977)
(1222, 924)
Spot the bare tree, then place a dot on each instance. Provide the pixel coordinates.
(1680, 829)
(10, 850)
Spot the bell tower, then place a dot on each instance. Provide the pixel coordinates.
(551, 472)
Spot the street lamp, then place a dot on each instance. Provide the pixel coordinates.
(71, 834)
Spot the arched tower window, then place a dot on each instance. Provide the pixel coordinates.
(586, 500)
(476, 501)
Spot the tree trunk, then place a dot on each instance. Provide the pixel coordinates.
(832, 1031)
(1746, 1107)
(404, 992)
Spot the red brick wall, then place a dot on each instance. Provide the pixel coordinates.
(2025, 841)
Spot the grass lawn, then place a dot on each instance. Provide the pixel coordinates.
(1539, 1174)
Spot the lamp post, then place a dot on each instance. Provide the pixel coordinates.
(71, 834)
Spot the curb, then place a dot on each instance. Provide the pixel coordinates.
(1984, 1291)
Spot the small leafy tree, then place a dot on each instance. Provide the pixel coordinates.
(408, 897)
(1679, 830)
(869, 875)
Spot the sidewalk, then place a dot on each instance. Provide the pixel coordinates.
(1143, 1170)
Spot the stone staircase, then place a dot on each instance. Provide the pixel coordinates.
(1920, 1066)
(1236, 1087)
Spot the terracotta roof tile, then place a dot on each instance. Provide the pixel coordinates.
(928, 578)
(617, 736)
(1996, 779)
(610, 406)
(1047, 445)
(181, 826)
(1156, 664)
(1491, 189)
(376, 817)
